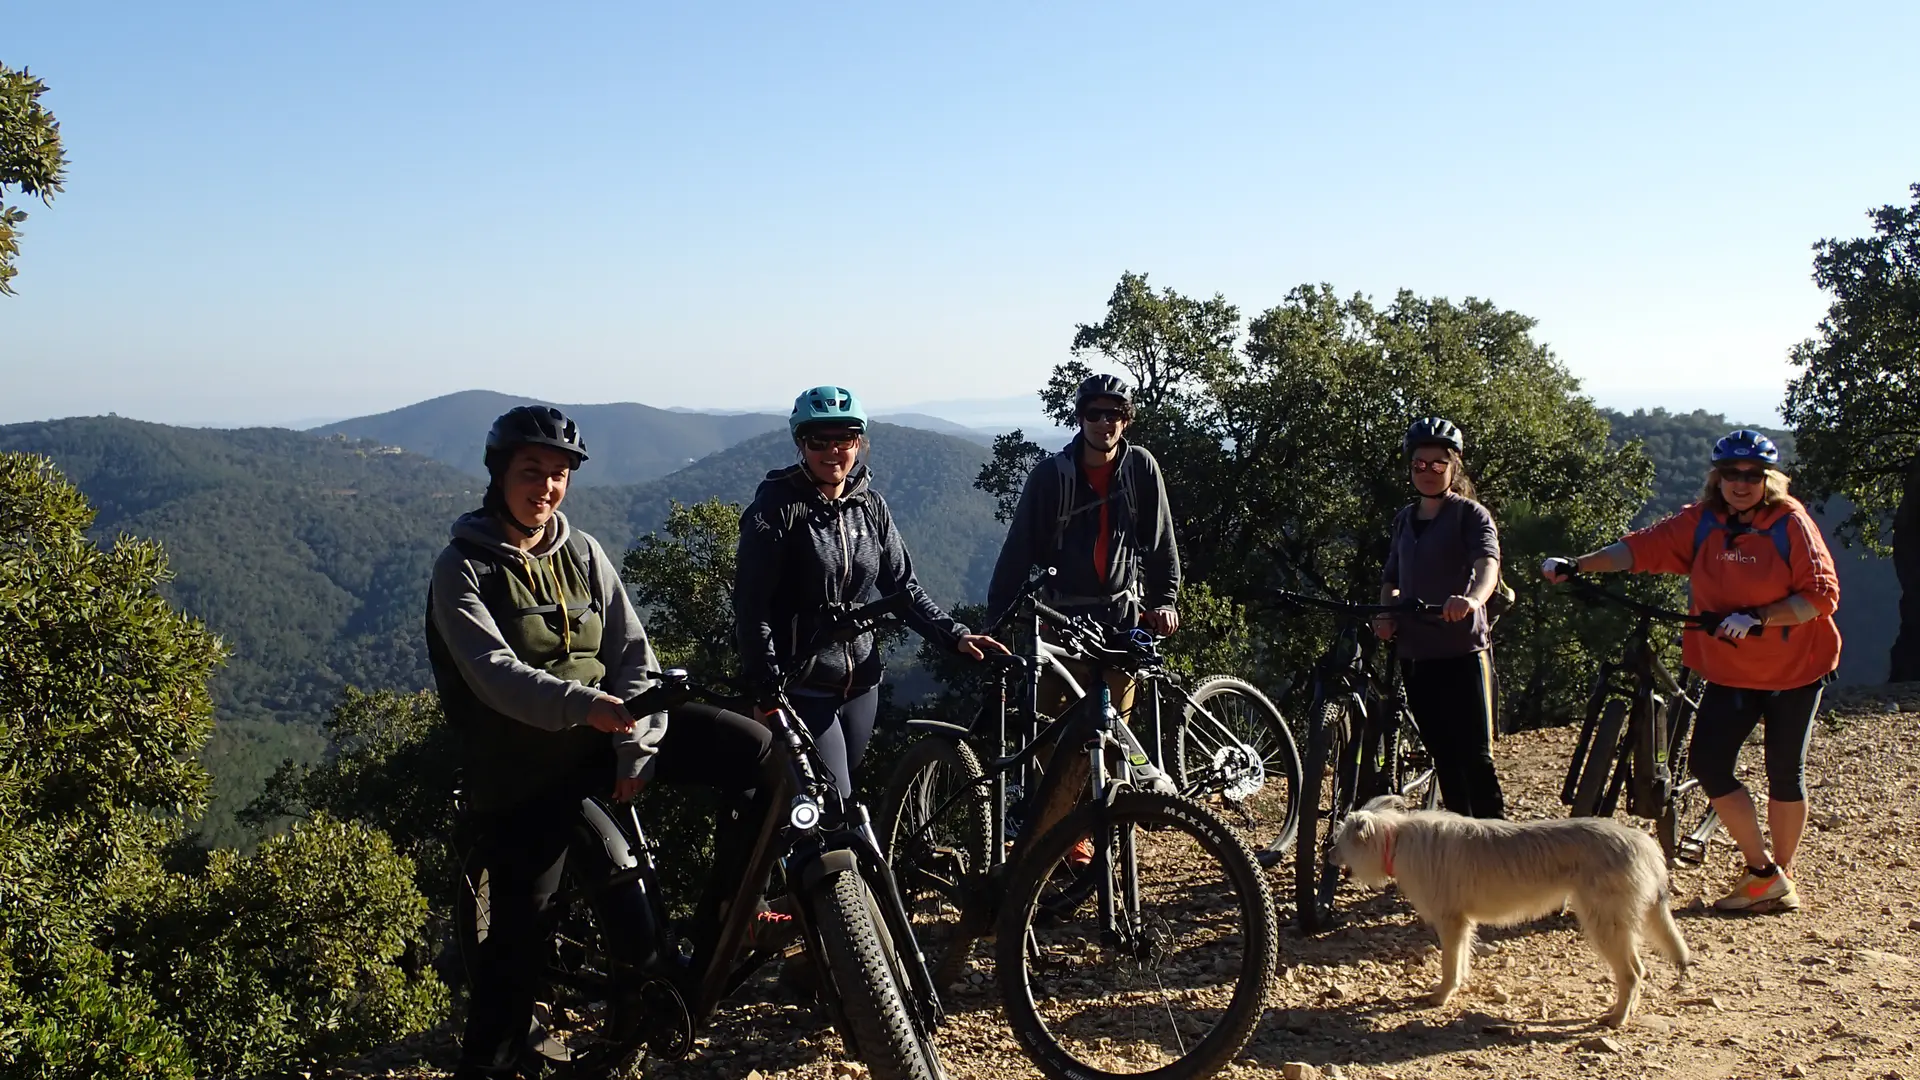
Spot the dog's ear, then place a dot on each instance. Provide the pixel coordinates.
(1362, 826)
(1382, 803)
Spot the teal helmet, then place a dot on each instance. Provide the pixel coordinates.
(833, 405)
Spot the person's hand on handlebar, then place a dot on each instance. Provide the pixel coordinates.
(1459, 607)
(609, 714)
(1738, 625)
(628, 788)
(1163, 621)
(1385, 626)
(977, 646)
(1559, 568)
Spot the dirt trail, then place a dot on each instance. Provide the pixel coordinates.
(1830, 991)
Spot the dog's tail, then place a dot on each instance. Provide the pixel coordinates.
(1665, 933)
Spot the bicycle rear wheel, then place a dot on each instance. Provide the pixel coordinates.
(1232, 753)
(1598, 769)
(1414, 778)
(1326, 794)
(938, 855)
(1174, 989)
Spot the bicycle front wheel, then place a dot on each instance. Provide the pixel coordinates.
(1171, 981)
(870, 980)
(1598, 770)
(1326, 795)
(936, 819)
(1232, 753)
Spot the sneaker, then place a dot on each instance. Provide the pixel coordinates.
(1760, 895)
(1081, 854)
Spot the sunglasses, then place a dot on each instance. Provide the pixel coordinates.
(820, 444)
(1103, 416)
(1436, 465)
(1744, 476)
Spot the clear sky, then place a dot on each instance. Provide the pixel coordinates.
(278, 211)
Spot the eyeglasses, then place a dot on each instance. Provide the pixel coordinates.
(820, 444)
(1103, 416)
(1743, 476)
(1436, 465)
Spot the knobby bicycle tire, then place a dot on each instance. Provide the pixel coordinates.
(1414, 775)
(870, 982)
(939, 873)
(1209, 770)
(1257, 931)
(1598, 770)
(1324, 775)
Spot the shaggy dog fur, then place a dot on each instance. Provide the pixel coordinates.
(1458, 872)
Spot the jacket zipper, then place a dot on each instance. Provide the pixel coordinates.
(846, 581)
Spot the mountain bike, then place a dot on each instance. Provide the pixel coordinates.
(1362, 742)
(1636, 734)
(1133, 930)
(624, 978)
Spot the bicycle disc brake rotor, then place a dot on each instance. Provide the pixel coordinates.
(670, 1022)
(1240, 770)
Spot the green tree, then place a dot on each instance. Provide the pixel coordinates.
(1855, 408)
(682, 578)
(103, 708)
(1280, 443)
(31, 161)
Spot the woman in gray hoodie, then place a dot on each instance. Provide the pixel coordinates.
(535, 648)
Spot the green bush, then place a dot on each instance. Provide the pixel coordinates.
(289, 953)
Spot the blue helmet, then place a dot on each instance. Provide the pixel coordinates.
(1746, 445)
(834, 405)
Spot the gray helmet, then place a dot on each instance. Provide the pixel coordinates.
(1099, 386)
(1433, 431)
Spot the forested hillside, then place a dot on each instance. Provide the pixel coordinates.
(628, 442)
(309, 554)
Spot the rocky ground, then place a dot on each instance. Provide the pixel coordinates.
(1830, 991)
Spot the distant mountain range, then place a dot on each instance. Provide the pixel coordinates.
(309, 553)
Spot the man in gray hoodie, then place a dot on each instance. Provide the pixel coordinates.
(535, 648)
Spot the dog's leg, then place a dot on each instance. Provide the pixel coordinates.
(1618, 942)
(1666, 934)
(1456, 951)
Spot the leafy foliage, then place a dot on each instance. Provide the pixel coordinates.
(1281, 448)
(288, 954)
(1680, 448)
(683, 582)
(31, 159)
(1856, 405)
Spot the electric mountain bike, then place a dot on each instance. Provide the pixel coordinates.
(1134, 931)
(1636, 733)
(622, 977)
(1362, 742)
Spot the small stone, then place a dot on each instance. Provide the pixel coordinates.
(1704, 1002)
(1796, 1070)
(755, 1075)
(1913, 924)
(1336, 992)
(1335, 1072)
(1659, 1025)
(1299, 1070)
(1499, 1029)
(1600, 1044)
(1499, 996)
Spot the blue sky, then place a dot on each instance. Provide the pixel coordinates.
(280, 211)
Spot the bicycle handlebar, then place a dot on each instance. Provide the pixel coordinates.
(1703, 622)
(1031, 588)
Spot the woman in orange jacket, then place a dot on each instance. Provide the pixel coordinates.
(1750, 550)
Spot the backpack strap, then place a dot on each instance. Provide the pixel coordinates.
(1777, 532)
(1068, 474)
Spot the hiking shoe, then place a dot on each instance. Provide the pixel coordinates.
(771, 929)
(1081, 854)
(1760, 895)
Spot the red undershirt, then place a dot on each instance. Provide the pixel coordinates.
(1100, 477)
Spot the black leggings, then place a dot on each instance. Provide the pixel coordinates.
(1452, 703)
(524, 851)
(842, 727)
(1728, 715)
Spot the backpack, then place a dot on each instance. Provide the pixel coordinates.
(456, 697)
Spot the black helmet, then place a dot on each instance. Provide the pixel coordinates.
(533, 425)
(1099, 386)
(1433, 431)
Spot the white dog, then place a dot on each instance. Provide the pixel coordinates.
(1458, 872)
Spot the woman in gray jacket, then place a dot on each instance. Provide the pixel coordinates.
(535, 647)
